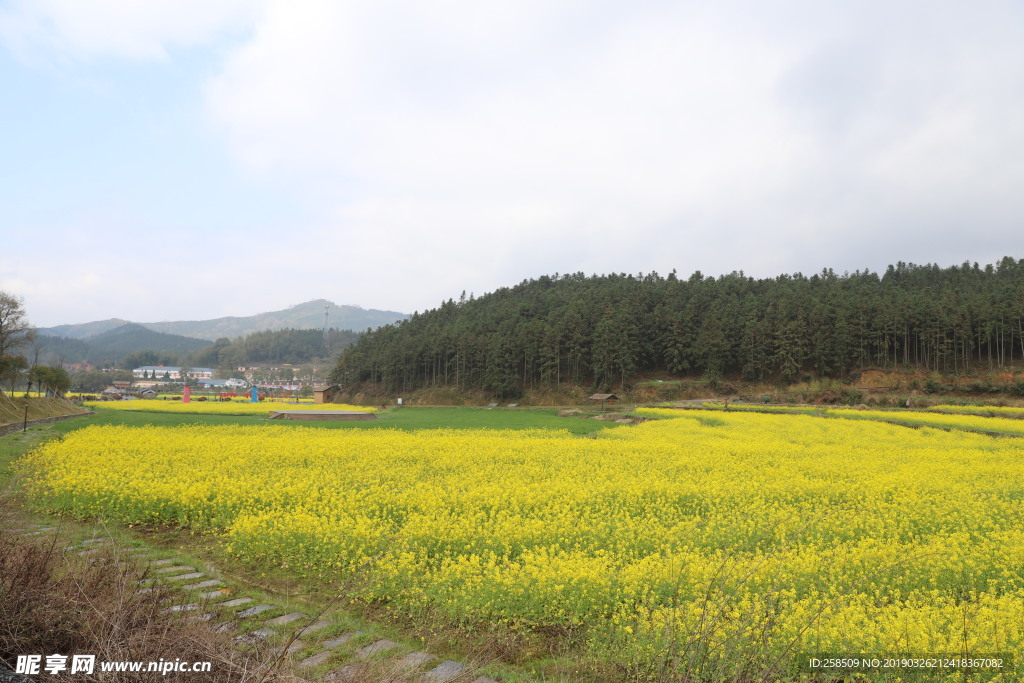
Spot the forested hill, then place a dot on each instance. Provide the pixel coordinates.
(278, 346)
(113, 345)
(601, 331)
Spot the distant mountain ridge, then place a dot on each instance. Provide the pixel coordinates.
(113, 345)
(309, 315)
(83, 330)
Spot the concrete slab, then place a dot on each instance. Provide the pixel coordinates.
(176, 568)
(190, 607)
(373, 648)
(313, 628)
(316, 660)
(415, 660)
(253, 611)
(256, 636)
(335, 642)
(233, 603)
(345, 673)
(202, 584)
(286, 619)
(445, 671)
(182, 577)
(320, 415)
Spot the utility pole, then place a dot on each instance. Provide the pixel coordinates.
(327, 340)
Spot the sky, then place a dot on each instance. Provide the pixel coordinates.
(192, 159)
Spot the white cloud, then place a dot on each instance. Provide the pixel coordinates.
(525, 140)
(133, 29)
(658, 130)
(456, 145)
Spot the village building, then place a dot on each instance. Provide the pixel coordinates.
(326, 394)
(171, 372)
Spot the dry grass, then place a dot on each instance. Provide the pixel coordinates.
(13, 408)
(52, 602)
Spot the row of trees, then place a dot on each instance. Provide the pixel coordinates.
(277, 346)
(605, 330)
(15, 335)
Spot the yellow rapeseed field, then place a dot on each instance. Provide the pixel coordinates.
(728, 542)
(153, 405)
(988, 421)
(993, 411)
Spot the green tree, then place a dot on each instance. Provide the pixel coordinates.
(610, 328)
(50, 380)
(97, 380)
(137, 359)
(11, 370)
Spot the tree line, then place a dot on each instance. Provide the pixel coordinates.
(277, 346)
(605, 330)
(15, 334)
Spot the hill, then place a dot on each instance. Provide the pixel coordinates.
(309, 316)
(82, 330)
(113, 345)
(128, 338)
(274, 346)
(607, 331)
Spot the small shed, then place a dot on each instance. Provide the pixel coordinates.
(604, 398)
(326, 394)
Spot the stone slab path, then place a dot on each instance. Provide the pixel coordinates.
(316, 645)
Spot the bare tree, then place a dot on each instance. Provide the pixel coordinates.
(15, 330)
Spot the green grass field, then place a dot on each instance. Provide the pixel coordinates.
(408, 418)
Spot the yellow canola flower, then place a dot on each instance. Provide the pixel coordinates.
(1001, 425)
(711, 532)
(987, 422)
(993, 411)
(152, 405)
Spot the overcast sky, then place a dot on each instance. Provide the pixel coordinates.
(189, 159)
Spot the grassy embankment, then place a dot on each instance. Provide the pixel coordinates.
(16, 409)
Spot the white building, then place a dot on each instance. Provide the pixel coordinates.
(171, 372)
